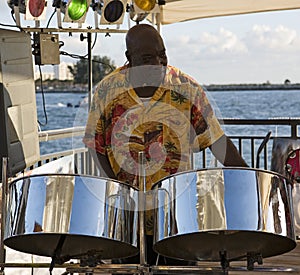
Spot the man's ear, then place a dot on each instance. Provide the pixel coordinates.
(128, 57)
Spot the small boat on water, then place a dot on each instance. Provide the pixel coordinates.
(59, 213)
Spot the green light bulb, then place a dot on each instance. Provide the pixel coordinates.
(77, 9)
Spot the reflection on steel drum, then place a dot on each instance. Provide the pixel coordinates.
(75, 215)
(223, 211)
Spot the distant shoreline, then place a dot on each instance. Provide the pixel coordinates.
(251, 87)
(211, 88)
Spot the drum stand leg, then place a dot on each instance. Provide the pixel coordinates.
(224, 261)
(141, 209)
(253, 258)
(56, 256)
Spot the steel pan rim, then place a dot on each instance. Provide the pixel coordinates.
(72, 175)
(39, 235)
(190, 171)
(291, 243)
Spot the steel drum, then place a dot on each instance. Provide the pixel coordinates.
(223, 213)
(72, 216)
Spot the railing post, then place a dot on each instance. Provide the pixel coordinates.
(294, 133)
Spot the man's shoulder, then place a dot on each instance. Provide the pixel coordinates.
(117, 74)
(112, 84)
(175, 76)
(113, 80)
(180, 81)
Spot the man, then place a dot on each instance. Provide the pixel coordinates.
(155, 108)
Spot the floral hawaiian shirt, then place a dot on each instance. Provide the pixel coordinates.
(177, 120)
(168, 127)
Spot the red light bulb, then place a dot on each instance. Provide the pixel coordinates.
(36, 7)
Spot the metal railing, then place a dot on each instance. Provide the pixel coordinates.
(247, 144)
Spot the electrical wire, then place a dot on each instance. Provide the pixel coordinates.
(43, 100)
(94, 43)
(50, 18)
(96, 35)
(10, 26)
(83, 57)
(75, 56)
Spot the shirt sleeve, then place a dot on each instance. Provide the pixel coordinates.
(206, 126)
(94, 130)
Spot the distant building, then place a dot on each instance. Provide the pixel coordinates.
(45, 75)
(62, 72)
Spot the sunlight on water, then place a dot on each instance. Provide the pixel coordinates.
(63, 111)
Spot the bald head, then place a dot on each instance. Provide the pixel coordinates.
(143, 42)
(141, 32)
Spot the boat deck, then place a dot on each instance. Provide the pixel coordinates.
(286, 263)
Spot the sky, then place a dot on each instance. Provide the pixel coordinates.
(253, 48)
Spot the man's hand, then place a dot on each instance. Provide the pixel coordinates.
(103, 164)
(226, 152)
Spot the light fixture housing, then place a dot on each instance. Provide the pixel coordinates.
(60, 4)
(112, 12)
(140, 9)
(97, 5)
(17, 3)
(76, 11)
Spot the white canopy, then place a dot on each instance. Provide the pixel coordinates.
(184, 10)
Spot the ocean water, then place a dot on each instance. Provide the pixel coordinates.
(257, 104)
(62, 112)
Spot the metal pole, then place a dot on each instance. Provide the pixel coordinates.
(58, 16)
(90, 69)
(142, 207)
(3, 210)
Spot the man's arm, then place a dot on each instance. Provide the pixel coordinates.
(226, 152)
(103, 164)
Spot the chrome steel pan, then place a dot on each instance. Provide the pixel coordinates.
(70, 216)
(223, 213)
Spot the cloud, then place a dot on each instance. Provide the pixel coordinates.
(276, 39)
(206, 46)
(224, 41)
(263, 53)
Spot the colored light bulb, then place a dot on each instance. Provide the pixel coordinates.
(113, 11)
(77, 9)
(36, 7)
(146, 5)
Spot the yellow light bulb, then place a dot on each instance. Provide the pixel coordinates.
(146, 5)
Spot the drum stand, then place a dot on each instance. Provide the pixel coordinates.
(90, 263)
(143, 267)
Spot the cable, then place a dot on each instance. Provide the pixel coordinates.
(95, 40)
(76, 56)
(10, 26)
(93, 44)
(43, 98)
(50, 18)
